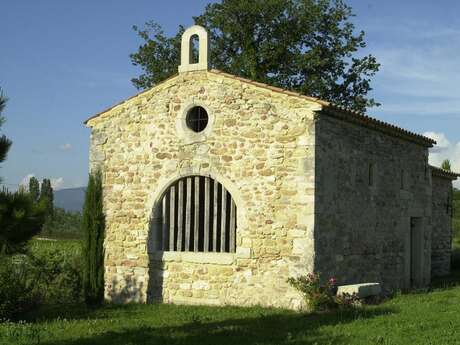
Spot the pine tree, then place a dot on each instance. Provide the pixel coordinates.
(93, 232)
(34, 188)
(20, 217)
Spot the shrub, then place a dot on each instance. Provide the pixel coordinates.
(19, 292)
(322, 296)
(60, 278)
(347, 301)
(64, 224)
(49, 273)
(318, 296)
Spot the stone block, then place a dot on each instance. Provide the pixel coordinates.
(362, 290)
(209, 258)
(243, 253)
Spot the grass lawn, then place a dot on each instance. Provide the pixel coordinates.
(415, 319)
(425, 318)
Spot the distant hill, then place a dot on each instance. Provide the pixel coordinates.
(70, 199)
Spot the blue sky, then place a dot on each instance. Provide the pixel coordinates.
(63, 61)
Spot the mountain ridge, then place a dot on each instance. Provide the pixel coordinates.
(70, 199)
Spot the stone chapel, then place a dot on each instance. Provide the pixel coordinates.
(217, 189)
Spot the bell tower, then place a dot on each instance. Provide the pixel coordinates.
(186, 64)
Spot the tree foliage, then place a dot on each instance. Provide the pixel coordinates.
(309, 46)
(34, 188)
(64, 224)
(20, 217)
(47, 197)
(5, 143)
(93, 232)
(446, 165)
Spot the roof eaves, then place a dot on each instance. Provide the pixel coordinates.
(436, 171)
(129, 98)
(371, 122)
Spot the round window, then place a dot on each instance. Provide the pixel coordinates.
(197, 119)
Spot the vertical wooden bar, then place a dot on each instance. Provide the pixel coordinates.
(196, 211)
(172, 216)
(164, 224)
(232, 226)
(180, 215)
(223, 226)
(206, 214)
(214, 222)
(188, 213)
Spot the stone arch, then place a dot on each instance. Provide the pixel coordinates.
(186, 49)
(155, 242)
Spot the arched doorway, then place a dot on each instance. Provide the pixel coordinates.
(195, 214)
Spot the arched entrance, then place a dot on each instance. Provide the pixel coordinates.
(195, 214)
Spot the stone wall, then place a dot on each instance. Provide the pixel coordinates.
(362, 231)
(259, 144)
(441, 237)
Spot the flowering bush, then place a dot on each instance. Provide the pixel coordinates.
(346, 300)
(322, 296)
(318, 296)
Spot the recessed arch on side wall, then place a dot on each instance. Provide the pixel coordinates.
(195, 213)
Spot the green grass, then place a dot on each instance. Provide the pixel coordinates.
(416, 319)
(424, 318)
(70, 246)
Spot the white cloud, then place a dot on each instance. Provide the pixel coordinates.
(444, 150)
(442, 142)
(57, 183)
(419, 69)
(25, 181)
(65, 147)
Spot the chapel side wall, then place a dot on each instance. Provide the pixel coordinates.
(362, 232)
(441, 239)
(261, 148)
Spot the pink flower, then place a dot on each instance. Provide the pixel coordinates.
(332, 281)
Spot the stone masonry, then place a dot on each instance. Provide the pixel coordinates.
(441, 235)
(299, 171)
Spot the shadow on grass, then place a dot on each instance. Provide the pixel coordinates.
(281, 328)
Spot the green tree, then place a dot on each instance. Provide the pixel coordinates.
(64, 224)
(34, 188)
(5, 143)
(47, 197)
(20, 217)
(309, 46)
(446, 165)
(93, 233)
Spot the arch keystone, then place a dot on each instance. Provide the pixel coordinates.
(186, 51)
